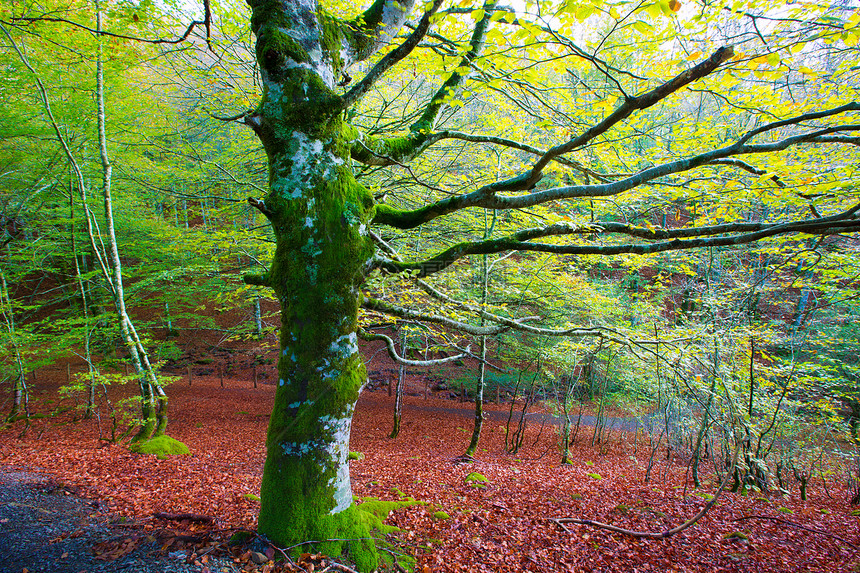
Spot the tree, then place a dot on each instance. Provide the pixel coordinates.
(323, 218)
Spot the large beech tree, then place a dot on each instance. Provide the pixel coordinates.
(737, 122)
(323, 218)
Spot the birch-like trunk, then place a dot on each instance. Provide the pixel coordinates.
(398, 391)
(19, 386)
(153, 398)
(90, 384)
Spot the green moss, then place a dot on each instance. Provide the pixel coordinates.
(576, 496)
(381, 509)
(162, 446)
(595, 476)
(784, 510)
(355, 456)
(441, 515)
(736, 535)
(251, 497)
(241, 537)
(277, 44)
(855, 512)
(476, 480)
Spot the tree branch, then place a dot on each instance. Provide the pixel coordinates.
(392, 352)
(378, 305)
(632, 104)
(391, 58)
(427, 121)
(488, 198)
(670, 240)
(178, 40)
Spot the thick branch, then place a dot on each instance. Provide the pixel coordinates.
(377, 26)
(672, 240)
(488, 198)
(427, 121)
(632, 104)
(400, 312)
(391, 58)
(748, 168)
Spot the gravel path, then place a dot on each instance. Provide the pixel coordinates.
(46, 528)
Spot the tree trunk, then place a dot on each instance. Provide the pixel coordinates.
(398, 398)
(91, 383)
(258, 319)
(479, 384)
(154, 414)
(19, 386)
(479, 401)
(319, 215)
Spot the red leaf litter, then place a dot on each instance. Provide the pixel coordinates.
(505, 526)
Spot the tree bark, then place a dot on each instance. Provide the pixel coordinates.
(320, 216)
(398, 397)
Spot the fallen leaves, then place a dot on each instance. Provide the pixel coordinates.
(503, 527)
(113, 549)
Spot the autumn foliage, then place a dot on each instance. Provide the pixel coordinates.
(503, 524)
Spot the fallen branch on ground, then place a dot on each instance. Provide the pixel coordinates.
(184, 517)
(658, 534)
(797, 525)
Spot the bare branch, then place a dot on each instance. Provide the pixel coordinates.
(669, 239)
(400, 312)
(178, 40)
(748, 168)
(392, 352)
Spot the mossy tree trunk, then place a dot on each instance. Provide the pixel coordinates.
(320, 216)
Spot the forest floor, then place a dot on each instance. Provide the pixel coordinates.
(507, 525)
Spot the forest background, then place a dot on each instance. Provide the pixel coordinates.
(714, 293)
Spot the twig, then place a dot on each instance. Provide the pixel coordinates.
(339, 567)
(184, 516)
(797, 525)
